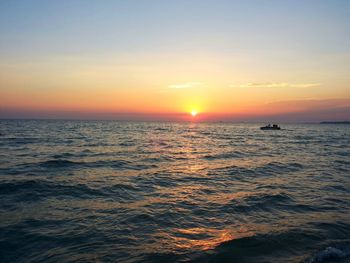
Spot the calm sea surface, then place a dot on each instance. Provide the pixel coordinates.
(107, 191)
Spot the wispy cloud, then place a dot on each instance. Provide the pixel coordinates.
(275, 85)
(185, 85)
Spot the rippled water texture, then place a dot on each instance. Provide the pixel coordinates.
(104, 191)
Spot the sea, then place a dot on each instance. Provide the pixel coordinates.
(119, 191)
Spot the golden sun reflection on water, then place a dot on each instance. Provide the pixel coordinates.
(189, 185)
(193, 238)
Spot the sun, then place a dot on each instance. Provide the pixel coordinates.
(194, 113)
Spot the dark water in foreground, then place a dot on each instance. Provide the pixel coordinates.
(75, 191)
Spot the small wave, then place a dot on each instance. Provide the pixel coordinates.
(268, 169)
(278, 167)
(258, 202)
(22, 140)
(127, 143)
(342, 153)
(99, 144)
(115, 164)
(58, 163)
(34, 190)
(31, 190)
(118, 187)
(162, 158)
(161, 129)
(227, 155)
(345, 162)
(330, 253)
(62, 155)
(280, 197)
(252, 248)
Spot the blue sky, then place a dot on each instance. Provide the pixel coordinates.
(59, 27)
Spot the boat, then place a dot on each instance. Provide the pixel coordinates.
(271, 127)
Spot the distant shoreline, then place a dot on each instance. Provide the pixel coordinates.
(335, 122)
(258, 122)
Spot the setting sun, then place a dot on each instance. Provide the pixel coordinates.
(194, 113)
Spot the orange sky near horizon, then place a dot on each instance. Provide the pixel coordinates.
(205, 85)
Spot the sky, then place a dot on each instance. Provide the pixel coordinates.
(158, 59)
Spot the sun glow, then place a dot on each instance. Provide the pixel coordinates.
(194, 113)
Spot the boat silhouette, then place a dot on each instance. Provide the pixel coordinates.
(271, 127)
